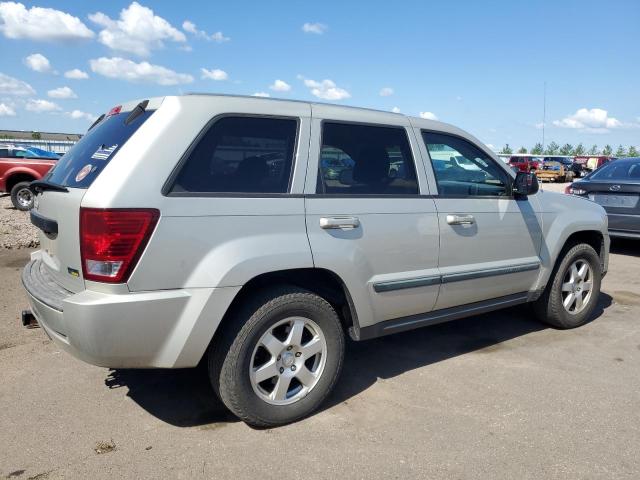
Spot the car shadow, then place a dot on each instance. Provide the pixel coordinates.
(185, 398)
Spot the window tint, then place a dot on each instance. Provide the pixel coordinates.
(81, 165)
(620, 170)
(476, 175)
(241, 155)
(365, 160)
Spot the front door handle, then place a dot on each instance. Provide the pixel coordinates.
(460, 219)
(329, 223)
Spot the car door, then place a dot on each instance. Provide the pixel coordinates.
(489, 240)
(369, 217)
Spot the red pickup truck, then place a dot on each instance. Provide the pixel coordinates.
(525, 163)
(20, 166)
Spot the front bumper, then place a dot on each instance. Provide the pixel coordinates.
(158, 329)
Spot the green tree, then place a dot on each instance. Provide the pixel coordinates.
(621, 152)
(593, 150)
(36, 135)
(507, 149)
(552, 149)
(567, 149)
(537, 149)
(522, 150)
(607, 150)
(632, 151)
(579, 150)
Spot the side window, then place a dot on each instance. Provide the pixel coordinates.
(365, 160)
(241, 155)
(462, 169)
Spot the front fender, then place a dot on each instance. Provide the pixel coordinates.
(563, 216)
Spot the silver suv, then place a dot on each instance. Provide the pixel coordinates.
(255, 235)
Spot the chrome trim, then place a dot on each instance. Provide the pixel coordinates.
(459, 277)
(402, 284)
(392, 285)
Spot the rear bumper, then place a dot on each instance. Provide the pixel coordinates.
(159, 329)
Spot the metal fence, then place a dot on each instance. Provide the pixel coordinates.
(57, 146)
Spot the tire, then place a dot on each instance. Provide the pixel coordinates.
(22, 196)
(240, 348)
(550, 308)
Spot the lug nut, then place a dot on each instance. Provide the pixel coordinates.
(278, 357)
(298, 354)
(281, 370)
(293, 368)
(289, 347)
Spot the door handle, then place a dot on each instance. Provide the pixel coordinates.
(329, 223)
(460, 219)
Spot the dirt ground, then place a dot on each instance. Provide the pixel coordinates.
(494, 396)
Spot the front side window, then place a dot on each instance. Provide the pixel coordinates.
(241, 155)
(462, 169)
(622, 170)
(365, 160)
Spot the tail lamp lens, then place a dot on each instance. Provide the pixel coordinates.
(112, 240)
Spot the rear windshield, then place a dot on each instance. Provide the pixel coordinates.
(81, 165)
(618, 171)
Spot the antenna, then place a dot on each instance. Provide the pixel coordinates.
(544, 112)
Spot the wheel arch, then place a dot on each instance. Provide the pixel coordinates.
(17, 176)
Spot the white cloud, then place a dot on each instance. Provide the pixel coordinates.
(7, 110)
(44, 24)
(317, 28)
(76, 74)
(124, 69)
(595, 120)
(215, 74)
(386, 92)
(261, 94)
(38, 63)
(13, 86)
(138, 30)
(39, 106)
(77, 114)
(62, 92)
(189, 26)
(280, 86)
(395, 110)
(428, 115)
(326, 89)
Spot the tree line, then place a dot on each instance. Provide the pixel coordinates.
(569, 150)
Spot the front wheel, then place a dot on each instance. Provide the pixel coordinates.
(279, 357)
(22, 196)
(573, 289)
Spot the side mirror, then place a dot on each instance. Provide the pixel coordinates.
(526, 183)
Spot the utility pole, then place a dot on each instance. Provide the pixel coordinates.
(544, 112)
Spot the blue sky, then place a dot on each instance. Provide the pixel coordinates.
(478, 65)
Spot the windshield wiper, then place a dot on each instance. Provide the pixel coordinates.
(42, 185)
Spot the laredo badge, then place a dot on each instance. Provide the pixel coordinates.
(103, 153)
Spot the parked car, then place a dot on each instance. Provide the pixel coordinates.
(554, 171)
(567, 162)
(19, 166)
(591, 163)
(167, 242)
(615, 186)
(525, 163)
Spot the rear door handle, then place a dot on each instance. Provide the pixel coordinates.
(329, 223)
(460, 219)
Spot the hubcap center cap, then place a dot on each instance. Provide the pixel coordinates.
(287, 359)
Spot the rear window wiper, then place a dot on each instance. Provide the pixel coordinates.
(42, 185)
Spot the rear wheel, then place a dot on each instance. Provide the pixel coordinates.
(279, 358)
(22, 196)
(573, 289)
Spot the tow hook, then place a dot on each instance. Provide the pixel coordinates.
(29, 319)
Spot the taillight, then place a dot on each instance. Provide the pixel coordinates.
(112, 240)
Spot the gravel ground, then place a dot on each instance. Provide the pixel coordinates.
(16, 230)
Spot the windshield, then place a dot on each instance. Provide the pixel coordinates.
(81, 165)
(620, 170)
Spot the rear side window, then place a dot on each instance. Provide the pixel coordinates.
(241, 155)
(81, 165)
(365, 160)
